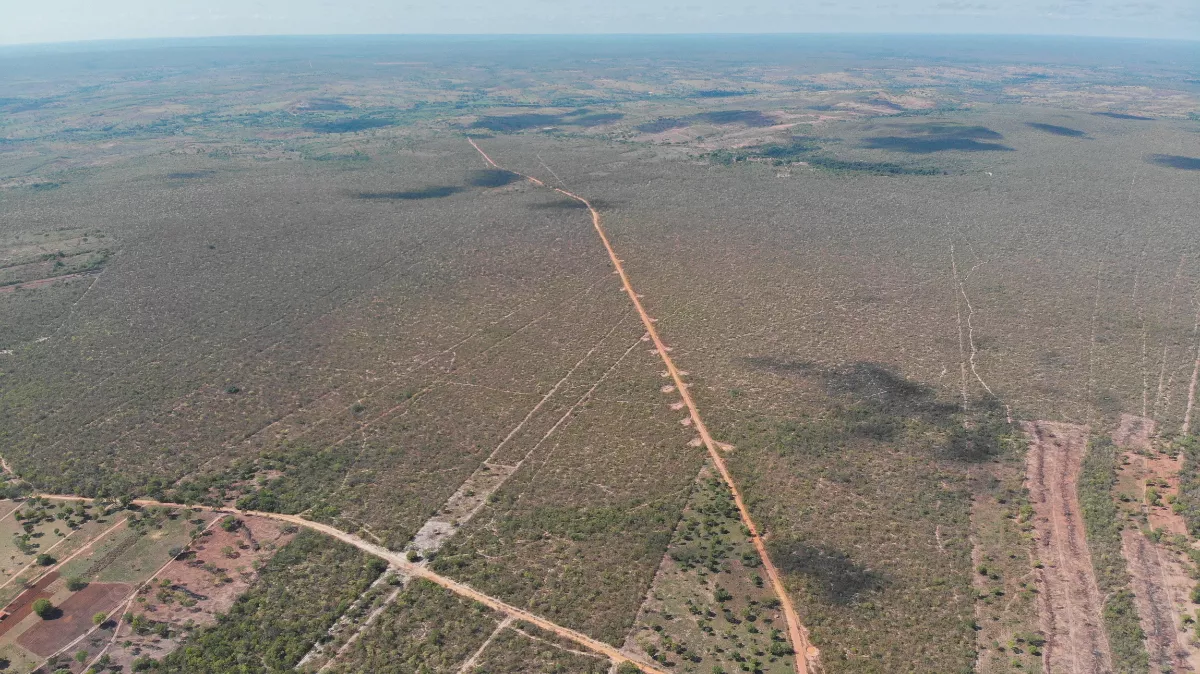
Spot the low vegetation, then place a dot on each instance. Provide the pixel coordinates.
(426, 628)
(301, 592)
(1103, 520)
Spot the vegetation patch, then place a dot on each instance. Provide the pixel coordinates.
(305, 587)
(426, 628)
(519, 122)
(1103, 520)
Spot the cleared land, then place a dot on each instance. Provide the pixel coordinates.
(1070, 605)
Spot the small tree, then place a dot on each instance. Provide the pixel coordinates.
(45, 560)
(75, 583)
(628, 667)
(43, 608)
(81, 656)
(99, 619)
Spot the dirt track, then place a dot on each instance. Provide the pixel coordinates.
(1070, 604)
(806, 653)
(411, 569)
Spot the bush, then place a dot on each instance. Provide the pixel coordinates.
(99, 619)
(43, 608)
(628, 668)
(45, 560)
(75, 583)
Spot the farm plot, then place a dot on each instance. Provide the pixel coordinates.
(38, 535)
(96, 577)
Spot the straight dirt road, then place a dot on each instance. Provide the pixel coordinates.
(806, 653)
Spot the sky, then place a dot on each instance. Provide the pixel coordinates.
(36, 21)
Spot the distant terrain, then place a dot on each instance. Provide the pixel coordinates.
(679, 354)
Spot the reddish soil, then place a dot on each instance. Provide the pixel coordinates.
(23, 604)
(219, 571)
(1156, 601)
(1069, 604)
(1159, 576)
(1134, 433)
(46, 638)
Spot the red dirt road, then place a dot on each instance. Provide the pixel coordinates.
(806, 653)
(1070, 603)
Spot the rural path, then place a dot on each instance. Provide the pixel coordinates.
(1071, 605)
(806, 653)
(414, 570)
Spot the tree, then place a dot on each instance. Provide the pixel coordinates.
(45, 560)
(99, 619)
(81, 656)
(75, 583)
(628, 667)
(43, 608)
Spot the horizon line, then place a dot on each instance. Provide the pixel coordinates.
(310, 36)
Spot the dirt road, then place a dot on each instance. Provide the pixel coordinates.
(806, 653)
(411, 569)
(1070, 604)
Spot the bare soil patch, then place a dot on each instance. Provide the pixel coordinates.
(1154, 593)
(1070, 603)
(47, 637)
(1134, 432)
(22, 606)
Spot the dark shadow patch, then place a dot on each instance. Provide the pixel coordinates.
(492, 178)
(349, 125)
(831, 573)
(326, 105)
(1175, 161)
(510, 123)
(189, 175)
(662, 124)
(878, 403)
(885, 104)
(425, 193)
(921, 145)
(1056, 130)
(1123, 115)
(751, 118)
(720, 93)
(597, 119)
(950, 130)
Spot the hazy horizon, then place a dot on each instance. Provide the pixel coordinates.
(57, 21)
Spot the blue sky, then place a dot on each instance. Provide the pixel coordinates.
(31, 21)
